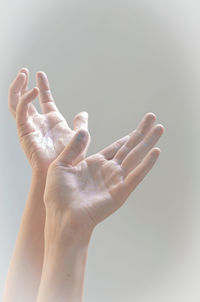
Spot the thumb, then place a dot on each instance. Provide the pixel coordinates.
(74, 149)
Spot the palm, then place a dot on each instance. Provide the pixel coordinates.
(92, 186)
(97, 186)
(43, 136)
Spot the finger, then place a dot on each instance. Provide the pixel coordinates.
(138, 174)
(45, 97)
(25, 86)
(74, 149)
(136, 136)
(140, 151)
(110, 151)
(84, 153)
(14, 92)
(32, 110)
(22, 108)
(80, 121)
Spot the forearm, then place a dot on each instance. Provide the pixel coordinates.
(24, 273)
(64, 265)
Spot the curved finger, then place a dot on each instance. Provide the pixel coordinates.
(110, 151)
(138, 174)
(14, 92)
(22, 108)
(25, 86)
(80, 121)
(136, 136)
(139, 152)
(32, 109)
(45, 96)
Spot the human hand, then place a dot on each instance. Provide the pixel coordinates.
(42, 136)
(84, 194)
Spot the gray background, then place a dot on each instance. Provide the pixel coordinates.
(117, 60)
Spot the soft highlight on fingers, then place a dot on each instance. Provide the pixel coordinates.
(80, 121)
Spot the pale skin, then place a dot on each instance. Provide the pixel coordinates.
(79, 196)
(42, 137)
(80, 192)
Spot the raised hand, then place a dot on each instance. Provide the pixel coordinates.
(42, 136)
(84, 194)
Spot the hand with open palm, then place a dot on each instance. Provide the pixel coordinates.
(84, 194)
(42, 136)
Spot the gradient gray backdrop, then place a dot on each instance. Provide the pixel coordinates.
(117, 60)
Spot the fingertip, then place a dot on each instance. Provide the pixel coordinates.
(35, 90)
(157, 151)
(21, 76)
(80, 121)
(41, 74)
(20, 80)
(151, 116)
(24, 70)
(160, 128)
(32, 93)
(84, 113)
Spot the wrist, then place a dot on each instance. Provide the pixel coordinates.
(64, 264)
(39, 175)
(62, 229)
(36, 192)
